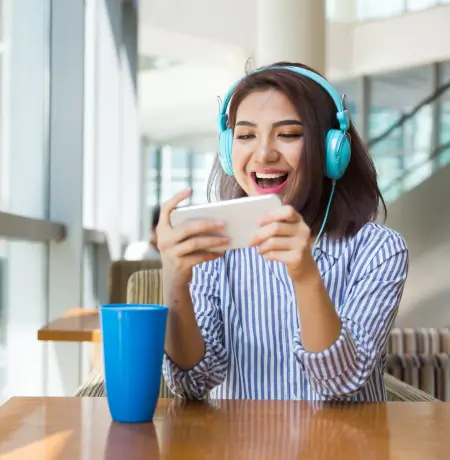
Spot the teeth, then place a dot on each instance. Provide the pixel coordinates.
(269, 176)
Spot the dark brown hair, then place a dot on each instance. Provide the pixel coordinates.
(357, 196)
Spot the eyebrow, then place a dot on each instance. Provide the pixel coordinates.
(275, 125)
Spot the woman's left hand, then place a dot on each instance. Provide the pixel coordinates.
(285, 237)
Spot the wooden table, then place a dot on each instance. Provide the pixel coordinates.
(81, 429)
(75, 325)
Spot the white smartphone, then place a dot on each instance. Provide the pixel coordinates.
(241, 216)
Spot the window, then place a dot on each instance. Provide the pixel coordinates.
(174, 171)
(202, 164)
(171, 169)
(24, 130)
(3, 163)
(444, 117)
(375, 9)
(417, 5)
(392, 95)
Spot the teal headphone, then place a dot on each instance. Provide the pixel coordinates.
(337, 141)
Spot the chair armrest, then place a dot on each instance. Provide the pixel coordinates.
(401, 391)
(396, 389)
(93, 386)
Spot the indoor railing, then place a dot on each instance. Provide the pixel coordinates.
(415, 146)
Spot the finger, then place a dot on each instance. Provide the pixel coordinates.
(275, 244)
(286, 213)
(273, 229)
(199, 257)
(201, 243)
(171, 204)
(195, 228)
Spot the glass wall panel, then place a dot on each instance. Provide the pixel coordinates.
(3, 141)
(23, 308)
(174, 171)
(388, 153)
(3, 317)
(443, 157)
(366, 10)
(27, 107)
(1, 21)
(375, 9)
(418, 142)
(393, 95)
(202, 164)
(417, 5)
(171, 169)
(24, 177)
(153, 186)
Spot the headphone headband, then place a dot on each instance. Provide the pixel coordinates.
(341, 115)
(337, 141)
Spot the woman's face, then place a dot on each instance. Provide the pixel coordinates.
(267, 144)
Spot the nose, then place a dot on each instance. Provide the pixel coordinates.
(265, 151)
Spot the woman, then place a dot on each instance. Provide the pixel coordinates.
(278, 320)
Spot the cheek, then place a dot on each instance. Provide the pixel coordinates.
(292, 154)
(239, 159)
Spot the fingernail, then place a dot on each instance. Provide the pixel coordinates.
(219, 224)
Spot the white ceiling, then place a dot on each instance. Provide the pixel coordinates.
(232, 22)
(212, 43)
(178, 104)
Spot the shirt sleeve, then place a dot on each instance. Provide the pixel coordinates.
(210, 372)
(367, 313)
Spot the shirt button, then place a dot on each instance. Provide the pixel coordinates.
(317, 252)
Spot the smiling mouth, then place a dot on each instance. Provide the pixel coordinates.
(269, 181)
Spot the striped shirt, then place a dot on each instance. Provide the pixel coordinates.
(247, 313)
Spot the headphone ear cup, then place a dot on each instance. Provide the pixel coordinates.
(225, 148)
(337, 154)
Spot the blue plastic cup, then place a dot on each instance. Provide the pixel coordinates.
(133, 348)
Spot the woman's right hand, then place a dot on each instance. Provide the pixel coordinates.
(187, 245)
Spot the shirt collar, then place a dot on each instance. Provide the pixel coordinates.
(332, 246)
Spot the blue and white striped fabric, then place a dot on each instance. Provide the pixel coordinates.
(247, 312)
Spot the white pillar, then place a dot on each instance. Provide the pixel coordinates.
(291, 30)
(131, 145)
(116, 182)
(108, 157)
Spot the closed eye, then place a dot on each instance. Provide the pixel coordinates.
(283, 135)
(245, 136)
(291, 135)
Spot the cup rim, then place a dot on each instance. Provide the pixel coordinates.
(132, 307)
